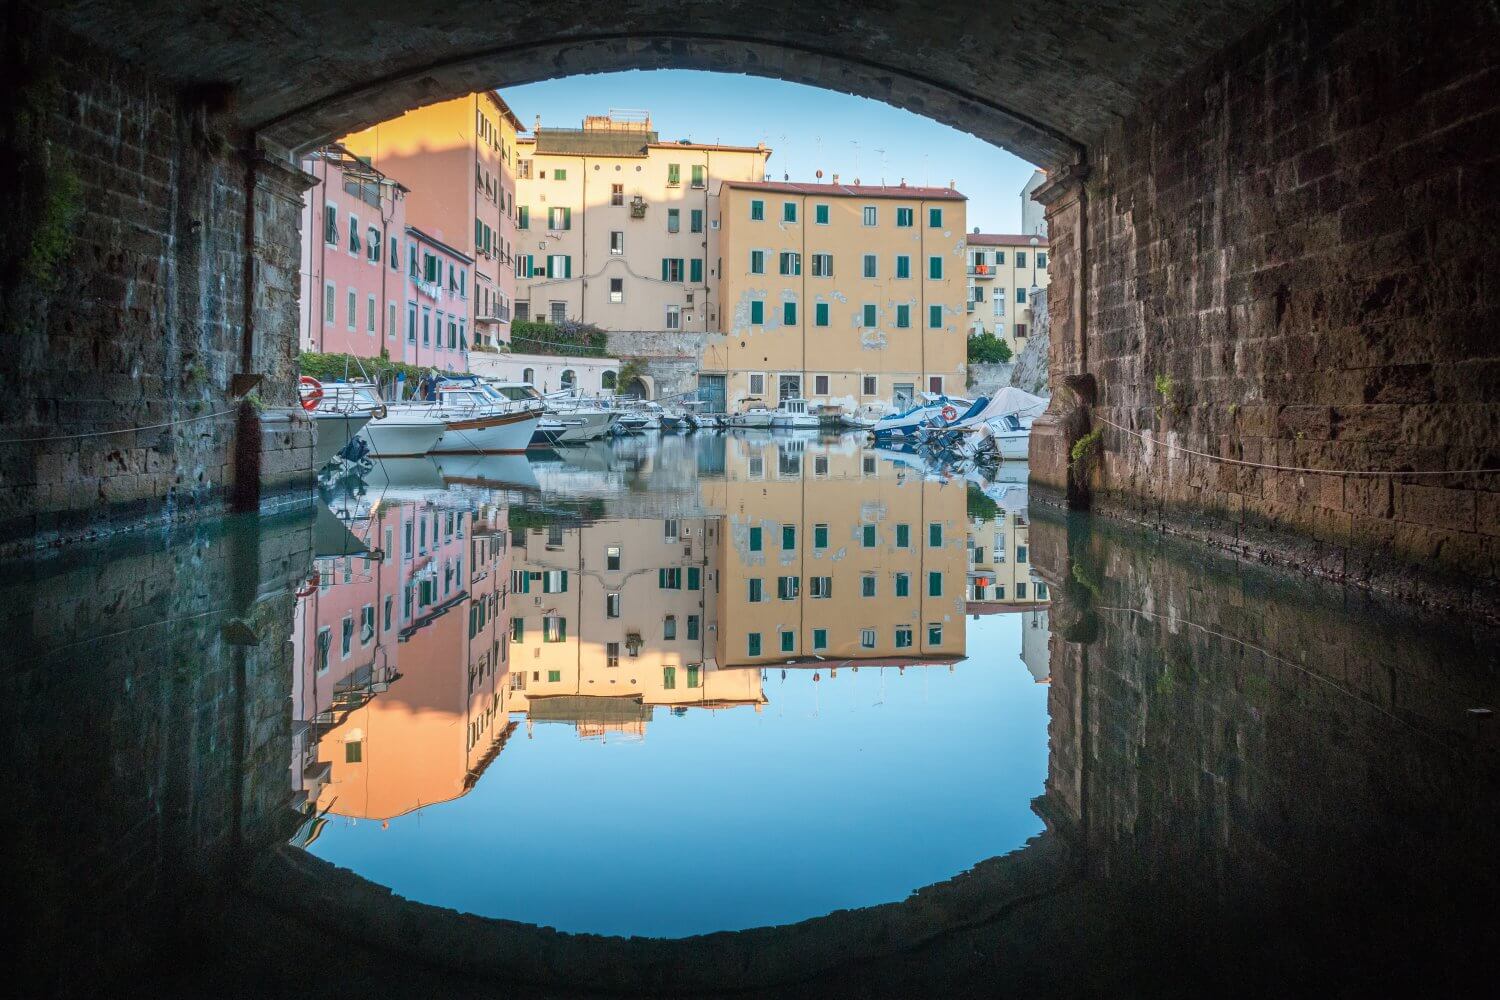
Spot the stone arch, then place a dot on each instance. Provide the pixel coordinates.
(568, 379)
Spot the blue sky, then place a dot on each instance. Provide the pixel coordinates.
(807, 128)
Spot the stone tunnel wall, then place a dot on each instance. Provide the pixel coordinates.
(122, 281)
(1290, 262)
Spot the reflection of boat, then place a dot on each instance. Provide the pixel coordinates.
(488, 470)
(390, 478)
(793, 414)
(332, 537)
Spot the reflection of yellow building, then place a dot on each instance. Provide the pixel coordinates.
(1000, 563)
(842, 294)
(613, 618)
(832, 552)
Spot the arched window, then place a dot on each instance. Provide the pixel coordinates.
(529, 375)
(568, 378)
(608, 380)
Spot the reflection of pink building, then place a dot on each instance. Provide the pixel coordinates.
(440, 282)
(354, 286)
(412, 629)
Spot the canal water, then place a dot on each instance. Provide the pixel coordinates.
(663, 687)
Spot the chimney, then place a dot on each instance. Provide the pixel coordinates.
(835, 178)
(903, 182)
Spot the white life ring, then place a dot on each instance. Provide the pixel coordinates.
(950, 414)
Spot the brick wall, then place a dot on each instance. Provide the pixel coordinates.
(1299, 237)
(141, 319)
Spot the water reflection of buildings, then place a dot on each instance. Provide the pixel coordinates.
(399, 696)
(1000, 576)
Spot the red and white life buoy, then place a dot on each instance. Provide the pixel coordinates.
(308, 588)
(950, 414)
(311, 390)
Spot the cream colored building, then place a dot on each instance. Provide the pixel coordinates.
(1000, 576)
(1003, 269)
(838, 293)
(457, 158)
(620, 229)
(830, 552)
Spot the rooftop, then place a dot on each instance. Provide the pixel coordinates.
(1004, 240)
(854, 190)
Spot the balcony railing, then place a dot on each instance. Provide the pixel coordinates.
(981, 271)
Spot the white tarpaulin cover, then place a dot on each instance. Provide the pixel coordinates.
(1006, 402)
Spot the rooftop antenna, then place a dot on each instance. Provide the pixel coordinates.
(855, 144)
(882, 166)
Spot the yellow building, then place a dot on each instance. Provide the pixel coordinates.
(1004, 270)
(831, 552)
(458, 160)
(1000, 576)
(620, 229)
(844, 294)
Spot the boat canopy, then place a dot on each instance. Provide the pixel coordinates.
(1007, 402)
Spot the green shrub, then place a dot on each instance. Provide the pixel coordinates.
(334, 367)
(988, 349)
(579, 339)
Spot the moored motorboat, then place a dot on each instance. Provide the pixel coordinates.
(479, 419)
(931, 413)
(794, 414)
(753, 417)
(394, 429)
(335, 424)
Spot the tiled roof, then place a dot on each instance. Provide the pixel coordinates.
(1003, 240)
(853, 190)
(578, 142)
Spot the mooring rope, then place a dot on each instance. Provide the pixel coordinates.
(119, 430)
(1292, 468)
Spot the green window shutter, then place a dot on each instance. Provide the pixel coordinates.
(753, 644)
(789, 211)
(935, 317)
(661, 579)
(903, 316)
(754, 539)
(789, 313)
(788, 536)
(697, 270)
(523, 217)
(478, 233)
(935, 218)
(935, 535)
(822, 215)
(868, 536)
(903, 266)
(787, 641)
(695, 578)
(869, 316)
(757, 262)
(757, 312)
(903, 585)
(567, 218)
(820, 536)
(568, 266)
(935, 268)
(934, 584)
(668, 678)
(822, 314)
(757, 210)
(820, 638)
(666, 268)
(903, 535)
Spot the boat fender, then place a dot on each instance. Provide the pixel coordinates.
(380, 412)
(313, 393)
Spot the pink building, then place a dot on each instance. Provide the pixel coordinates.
(440, 283)
(354, 291)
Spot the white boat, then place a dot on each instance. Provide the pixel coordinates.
(333, 430)
(569, 419)
(932, 412)
(793, 414)
(753, 417)
(395, 429)
(1006, 422)
(481, 420)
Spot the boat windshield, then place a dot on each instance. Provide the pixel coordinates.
(520, 392)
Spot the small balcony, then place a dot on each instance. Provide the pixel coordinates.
(984, 271)
(637, 207)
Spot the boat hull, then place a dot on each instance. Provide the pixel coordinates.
(1014, 445)
(583, 427)
(500, 433)
(395, 436)
(334, 432)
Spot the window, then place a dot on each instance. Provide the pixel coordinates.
(617, 194)
(694, 671)
(870, 384)
(756, 592)
(694, 578)
(559, 218)
(672, 269)
(820, 388)
(559, 265)
(669, 678)
(1041, 262)
(695, 270)
(934, 584)
(524, 266)
(554, 629)
(820, 214)
(790, 263)
(1020, 261)
(1020, 296)
(528, 375)
(617, 242)
(669, 627)
(692, 627)
(757, 262)
(867, 536)
(354, 751)
(934, 634)
(935, 317)
(353, 235)
(523, 216)
(1020, 553)
(903, 636)
(934, 218)
(867, 315)
(674, 220)
(757, 384)
(755, 539)
(1020, 591)
(674, 317)
(789, 313)
(757, 210)
(555, 581)
(869, 265)
(669, 578)
(903, 266)
(788, 588)
(935, 268)
(617, 290)
(820, 536)
(695, 221)
(866, 638)
(789, 211)
(346, 641)
(820, 587)
(372, 245)
(1020, 330)
(1041, 591)
(752, 643)
(611, 654)
(330, 300)
(757, 318)
(370, 314)
(903, 317)
(612, 557)
(822, 265)
(788, 640)
(700, 181)
(904, 218)
(390, 320)
(559, 175)
(611, 605)
(820, 639)
(820, 314)
(331, 224)
(871, 215)
(517, 629)
(903, 584)
(867, 585)
(674, 175)
(325, 639)
(353, 306)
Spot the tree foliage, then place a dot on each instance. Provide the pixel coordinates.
(566, 338)
(987, 349)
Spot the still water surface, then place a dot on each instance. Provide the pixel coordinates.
(668, 686)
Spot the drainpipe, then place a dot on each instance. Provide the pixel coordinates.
(245, 489)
